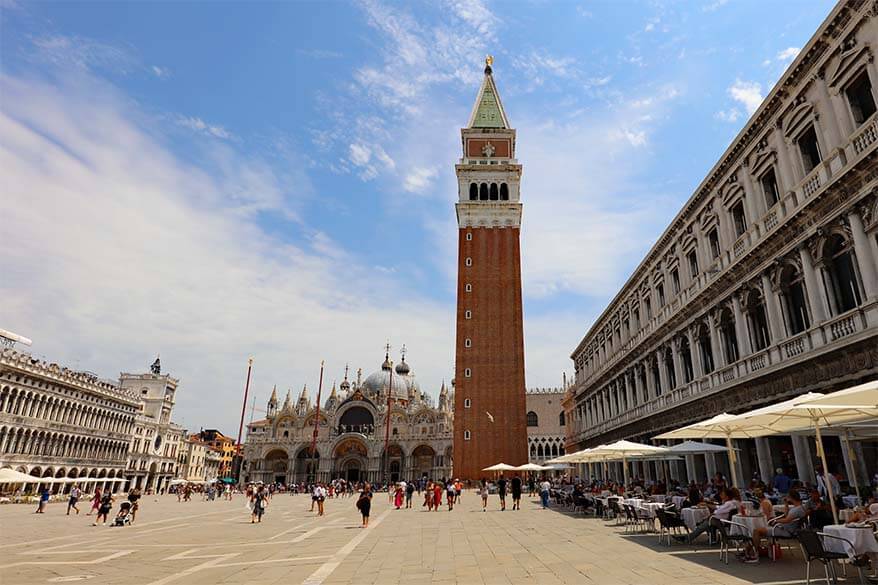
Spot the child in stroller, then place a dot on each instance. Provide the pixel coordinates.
(124, 516)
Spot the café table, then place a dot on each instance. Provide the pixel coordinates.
(751, 522)
(693, 516)
(651, 507)
(862, 539)
(678, 501)
(660, 498)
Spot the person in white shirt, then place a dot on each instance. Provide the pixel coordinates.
(319, 495)
(731, 500)
(545, 486)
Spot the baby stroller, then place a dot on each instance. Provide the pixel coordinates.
(123, 518)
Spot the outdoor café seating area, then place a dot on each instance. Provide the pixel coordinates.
(818, 529)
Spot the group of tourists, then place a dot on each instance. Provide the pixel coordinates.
(514, 485)
(101, 504)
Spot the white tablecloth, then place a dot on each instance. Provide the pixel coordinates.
(651, 507)
(636, 502)
(751, 522)
(693, 516)
(862, 538)
(678, 501)
(659, 498)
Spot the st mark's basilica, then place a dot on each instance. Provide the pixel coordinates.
(351, 431)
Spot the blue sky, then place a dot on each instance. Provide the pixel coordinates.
(209, 181)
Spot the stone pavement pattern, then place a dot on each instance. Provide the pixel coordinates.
(214, 542)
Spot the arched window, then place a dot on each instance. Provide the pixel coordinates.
(504, 192)
(727, 332)
(840, 275)
(494, 195)
(483, 192)
(540, 452)
(561, 419)
(533, 450)
(756, 320)
(793, 298)
(532, 420)
(554, 450)
(473, 192)
(656, 377)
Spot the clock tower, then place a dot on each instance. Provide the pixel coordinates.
(489, 397)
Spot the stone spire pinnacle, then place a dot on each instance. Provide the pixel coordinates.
(488, 110)
(273, 399)
(288, 402)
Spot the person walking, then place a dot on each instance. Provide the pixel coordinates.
(501, 491)
(321, 498)
(409, 492)
(437, 495)
(364, 504)
(398, 496)
(259, 502)
(44, 499)
(516, 492)
(545, 486)
(483, 491)
(75, 494)
(105, 506)
(449, 494)
(134, 500)
(95, 501)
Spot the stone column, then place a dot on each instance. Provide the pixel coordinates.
(816, 292)
(740, 327)
(831, 132)
(772, 308)
(763, 456)
(719, 358)
(755, 210)
(710, 464)
(694, 356)
(846, 125)
(663, 371)
(788, 174)
(678, 362)
(650, 380)
(804, 461)
(866, 262)
(629, 389)
(690, 468)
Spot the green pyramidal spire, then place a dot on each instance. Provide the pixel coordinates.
(488, 111)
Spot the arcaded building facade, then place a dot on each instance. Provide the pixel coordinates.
(489, 407)
(352, 427)
(59, 423)
(546, 424)
(764, 285)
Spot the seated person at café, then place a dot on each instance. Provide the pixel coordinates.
(818, 510)
(693, 498)
(869, 514)
(786, 526)
(731, 499)
(763, 504)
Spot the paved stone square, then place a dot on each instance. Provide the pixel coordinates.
(214, 542)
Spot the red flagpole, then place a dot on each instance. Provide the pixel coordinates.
(317, 417)
(387, 432)
(244, 408)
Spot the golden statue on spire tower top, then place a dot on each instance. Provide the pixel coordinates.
(489, 60)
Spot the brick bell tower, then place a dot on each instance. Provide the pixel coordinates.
(489, 397)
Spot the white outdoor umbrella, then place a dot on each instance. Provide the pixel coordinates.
(500, 467)
(624, 450)
(722, 426)
(8, 475)
(530, 467)
(695, 448)
(816, 411)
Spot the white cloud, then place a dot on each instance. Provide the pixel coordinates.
(198, 125)
(713, 6)
(730, 115)
(536, 67)
(140, 253)
(365, 156)
(476, 14)
(788, 54)
(76, 52)
(419, 179)
(160, 72)
(748, 93)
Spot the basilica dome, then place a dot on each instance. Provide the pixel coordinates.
(378, 383)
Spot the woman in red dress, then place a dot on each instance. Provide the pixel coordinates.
(437, 495)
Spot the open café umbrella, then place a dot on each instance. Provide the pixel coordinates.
(531, 467)
(722, 426)
(624, 450)
(500, 467)
(695, 448)
(816, 412)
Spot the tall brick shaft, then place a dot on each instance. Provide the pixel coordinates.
(489, 397)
